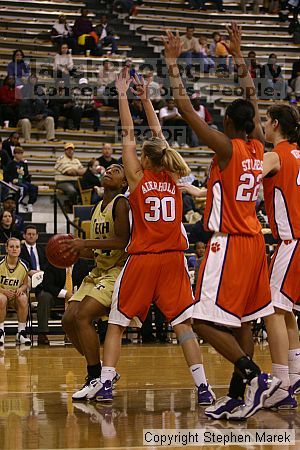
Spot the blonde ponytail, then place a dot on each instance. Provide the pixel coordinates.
(161, 155)
(173, 162)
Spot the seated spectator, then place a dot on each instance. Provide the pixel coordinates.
(92, 180)
(106, 80)
(173, 124)
(34, 112)
(32, 253)
(9, 102)
(18, 68)
(190, 46)
(32, 89)
(123, 6)
(154, 91)
(63, 65)
(10, 204)
(204, 114)
(207, 62)
(13, 288)
(137, 113)
(106, 159)
(272, 77)
(16, 172)
(62, 33)
(55, 290)
(219, 49)
(70, 167)
(85, 105)
(8, 146)
(62, 105)
(105, 34)
(294, 82)
(82, 28)
(253, 66)
(7, 227)
(195, 262)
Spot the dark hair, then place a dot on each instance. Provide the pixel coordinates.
(2, 214)
(6, 79)
(242, 114)
(288, 118)
(12, 134)
(15, 52)
(91, 162)
(216, 33)
(60, 46)
(30, 227)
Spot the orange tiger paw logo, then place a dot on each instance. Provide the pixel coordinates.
(215, 247)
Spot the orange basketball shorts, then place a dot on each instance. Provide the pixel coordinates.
(285, 275)
(161, 278)
(233, 284)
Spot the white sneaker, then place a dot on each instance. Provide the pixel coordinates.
(88, 390)
(22, 208)
(185, 146)
(22, 338)
(281, 399)
(29, 208)
(175, 145)
(2, 336)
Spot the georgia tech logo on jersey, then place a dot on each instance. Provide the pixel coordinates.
(100, 286)
(215, 247)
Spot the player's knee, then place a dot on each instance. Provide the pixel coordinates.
(3, 301)
(22, 300)
(68, 319)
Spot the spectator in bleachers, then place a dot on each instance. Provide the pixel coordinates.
(85, 105)
(82, 28)
(174, 124)
(219, 50)
(62, 105)
(106, 159)
(123, 6)
(32, 252)
(16, 172)
(190, 46)
(18, 68)
(62, 33)
(10, 204)
(34, 112)
(154, 91)
(69, 166)
(8, 146)
(7, 227)
(207, 62)
(92, 180)
(63, 65)
(106, 80)
(105, 34)
(195, 261)
(253, 66)
(13, 289)
(272, 75)
(204, 114)
(137, 113)
(147, 331)
(294, 82)
(55, 290)
(9, 101)
(33, 90)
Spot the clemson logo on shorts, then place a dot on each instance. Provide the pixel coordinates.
(215, 247)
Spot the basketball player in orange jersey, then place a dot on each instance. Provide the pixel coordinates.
(232, 288)
(156, 269)
(282, 200)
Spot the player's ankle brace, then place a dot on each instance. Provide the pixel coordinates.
(237, 387)
(247, 367)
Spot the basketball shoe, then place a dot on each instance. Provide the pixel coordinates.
(281, 399)
(105, 393)
(295, 382)
(260, 388)
(91, 387)
(22, 338)
(206, 395)
(223, 408)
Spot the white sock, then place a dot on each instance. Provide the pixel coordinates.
(107, 373)
(21, 326)
(198, 374)
(294, 360)
(282, 372)
(2, 326)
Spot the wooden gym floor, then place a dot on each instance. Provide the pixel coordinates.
(155, 391)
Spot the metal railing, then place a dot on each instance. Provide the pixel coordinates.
(69, 222)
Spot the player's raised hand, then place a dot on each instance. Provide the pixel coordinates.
(173, 45)
(235, 38)
(123, 81)
(141, 87)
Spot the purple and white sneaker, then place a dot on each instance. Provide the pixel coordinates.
(281, 399)
(260, 388)
(105, 393)
(206, 395)
(295, 383)
(223, 407)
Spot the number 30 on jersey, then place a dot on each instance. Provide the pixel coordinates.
(160, 209)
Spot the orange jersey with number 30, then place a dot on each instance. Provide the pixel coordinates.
(232, 192)
(282, 193)
(156, 212)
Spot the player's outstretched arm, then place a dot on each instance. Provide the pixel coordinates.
(214, 139)
(246, 81)
(132, 165)
(192, 190)
(141, 89)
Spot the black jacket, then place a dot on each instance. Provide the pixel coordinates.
(99, 28)
(11, 232)
(55, 279)
(11, 171)
(25, 256)
(29, 109)
(6, 153)
(89, 180)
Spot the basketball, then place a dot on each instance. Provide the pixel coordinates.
(56, 254)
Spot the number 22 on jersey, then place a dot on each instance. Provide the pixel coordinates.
(248, 190)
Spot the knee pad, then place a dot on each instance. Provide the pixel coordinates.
(186, 336)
